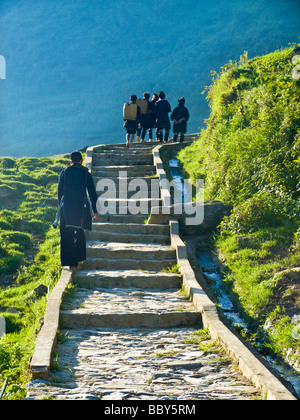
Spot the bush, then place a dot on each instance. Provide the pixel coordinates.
(258, 212)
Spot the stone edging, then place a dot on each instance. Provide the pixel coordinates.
(46, 340)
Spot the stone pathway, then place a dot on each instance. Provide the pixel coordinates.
(127, 330)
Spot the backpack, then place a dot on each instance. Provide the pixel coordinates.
(130, 112)
(143, 104)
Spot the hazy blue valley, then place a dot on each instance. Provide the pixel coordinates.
(70, 65)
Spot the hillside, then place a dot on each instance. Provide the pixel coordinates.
(29, 258)
(248, 155)
(71, 65)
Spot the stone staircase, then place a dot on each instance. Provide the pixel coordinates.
(129, 331)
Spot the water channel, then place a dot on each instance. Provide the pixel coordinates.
(211, 271)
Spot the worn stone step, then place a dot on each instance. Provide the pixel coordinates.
(148, 192)
(112, 251)
(126, 206)
(144, 147)
(120, 159)
(128, 188)
(126, 279)
(73, 319)
(128, 308)
(120, 181)
(127, 300)
(123, 152)
(132, 364)
(134, 228)
(128, 237)
(130, 233)
(128, 264)
(123, 218)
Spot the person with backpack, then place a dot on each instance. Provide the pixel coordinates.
(132, 117)
(162, 118)
(75, 213)
(180, 116)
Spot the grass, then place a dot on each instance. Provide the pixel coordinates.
(175, 269)
(248, 155)
(29, 256)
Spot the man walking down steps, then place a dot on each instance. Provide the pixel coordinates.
(73, 184)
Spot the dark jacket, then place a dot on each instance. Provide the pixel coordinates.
(73, 184)
(152, 112)
(162, 118)
(180, 112)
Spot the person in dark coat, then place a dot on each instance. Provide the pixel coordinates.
(131, 126)
(73, 184)
(180, 116)
(152, 115)
(162, 118)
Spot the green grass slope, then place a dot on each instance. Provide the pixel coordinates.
(248, 155)
(29, 256)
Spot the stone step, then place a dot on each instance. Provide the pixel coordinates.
(130, 233)
(104, 301)
(147, 192)
(128, 264)
(134, 228)
(128, 187)
(126, 180)
(123, 152)
(145, 146)
(127, 279)
(128, 308)
(72, 319)
(122, 171)
(123, 160)
(129, 206)
(123, 218)
(102, 364)
(146, 252)
(128, 238)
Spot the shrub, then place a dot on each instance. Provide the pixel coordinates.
(260, 211)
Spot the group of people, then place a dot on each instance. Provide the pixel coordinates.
(75, 183)
(142, 115)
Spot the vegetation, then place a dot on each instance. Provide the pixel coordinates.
(248, 155)
(29, 257)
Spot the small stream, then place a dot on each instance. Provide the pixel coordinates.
(175, 172)
(211, 272)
